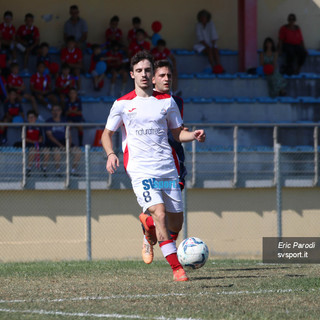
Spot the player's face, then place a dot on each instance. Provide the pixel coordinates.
(142, 74)
(162, 79)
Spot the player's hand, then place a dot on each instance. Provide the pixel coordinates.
(200, 135)
(112, 163)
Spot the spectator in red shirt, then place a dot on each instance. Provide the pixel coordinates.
(113, 33)
(12, 106)
(116, 66)
(8, 33)
(292, 45)
(64, 83)
(14, 81)
(136, 23)
(40, 86)
(72, 55)
(28, 38)
(139, 44)
(161, 52)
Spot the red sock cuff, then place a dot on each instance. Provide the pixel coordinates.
(162, 243)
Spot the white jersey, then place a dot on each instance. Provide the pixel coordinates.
(144, 123)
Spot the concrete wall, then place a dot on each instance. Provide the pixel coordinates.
(51, 225)
(178, 18)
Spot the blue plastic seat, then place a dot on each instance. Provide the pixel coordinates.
(223, 100)
(205, 76)
(288, 100)
(186, 76)
(245, 100)
(226, 76)
(243, 75)
(90, 99)
(184, 52)
(108, 99)
(227, 52)
(309, 99)
(202, 100)
(267, 100)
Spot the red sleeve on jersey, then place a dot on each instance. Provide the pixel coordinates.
(129, 96)
(160, 95)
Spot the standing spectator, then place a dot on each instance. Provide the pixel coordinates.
(15, 81)
(28, 38)
(96, 57)
(40, 86)
(8, 34)
(56, 141)
(12, 106)
(73, 57)
(76, 27)
(207, 37)
(161, 52)
(74, 112)
(139, 44)
(64, 83)
(268, 60)
(292, 45)
(116, 66)
(113, 33)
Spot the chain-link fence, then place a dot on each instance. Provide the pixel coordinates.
(62, 203)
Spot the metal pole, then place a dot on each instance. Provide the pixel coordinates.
(88, 201)
(316, 156)
(67, 157)
(235, 156)
(279, 189)
(24, 157)
(275, 141)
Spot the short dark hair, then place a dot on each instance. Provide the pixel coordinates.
(8, 13)
(44, 44)
(292, 16)
(71, 39)
(139, 56)
(140, 30)
(40, 63)
(28, 15)
(74, 7)
(115, 19)
(12, 90)
(65, 66)
(32, 112)
(205, 13)
(162, 63)
(95, 46)
(161, 42)
(13, 65)
(136, 20)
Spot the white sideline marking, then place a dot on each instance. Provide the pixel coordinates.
(93, 315)
(143, 296)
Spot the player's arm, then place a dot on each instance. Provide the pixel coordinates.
(181, 135)
(113, 161)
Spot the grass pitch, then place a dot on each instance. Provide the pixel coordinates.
(222, 289)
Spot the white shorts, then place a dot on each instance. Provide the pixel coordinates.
(154, 191)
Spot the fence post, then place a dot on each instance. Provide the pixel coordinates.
(67, 183)
(88, 201)
(279, 188)
(24, 157)
(316, 156)
(235, 156)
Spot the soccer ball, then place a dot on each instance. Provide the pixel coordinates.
(193, 253)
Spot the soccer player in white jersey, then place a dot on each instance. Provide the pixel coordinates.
(162, 81)
(145, 116)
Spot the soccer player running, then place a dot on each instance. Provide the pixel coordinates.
(145, 116)
(162, 80)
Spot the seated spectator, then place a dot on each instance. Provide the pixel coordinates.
(34, 141)
(268, 60)
(113, 33)
(98, 77)
(4, 61)
(28, 38)
(207, 37)
(139, 43)
(76, 27)
(12, 107)
(40, 86)
(3, 88)
(56, 141)
(116, 66)
(132, 33)
(74, 111)
(14, 81)
(291, 44)
(8, 34)
(73, 57)
(161, 52)
(64, 83)
(44, 56)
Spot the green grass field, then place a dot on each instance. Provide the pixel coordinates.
(222, 289)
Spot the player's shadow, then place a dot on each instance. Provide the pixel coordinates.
(253, 269)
